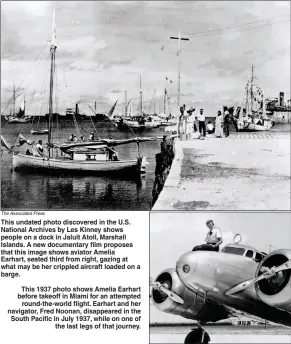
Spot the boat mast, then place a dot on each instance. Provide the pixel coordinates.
(165, 97)
(52, 52)
(252, 80)
(14, 100)
(125, 103)
(154, 101)
(140, 95)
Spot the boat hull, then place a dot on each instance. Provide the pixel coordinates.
(19, 120)
(39, 132)
(22, 161)
(244, 126)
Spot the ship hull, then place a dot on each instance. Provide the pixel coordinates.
(22, 161)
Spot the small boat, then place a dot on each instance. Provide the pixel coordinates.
(39, 132)
(95, 161)
(97, 156)
(18, 116)
(166, 117)
(25, 119)
(140, 121)
(251, 116)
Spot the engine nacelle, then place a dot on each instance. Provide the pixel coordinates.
(193, 302)
(275, 291)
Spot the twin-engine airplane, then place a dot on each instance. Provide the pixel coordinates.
(209, 286)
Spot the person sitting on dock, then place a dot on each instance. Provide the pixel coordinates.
(213, 239)
(210, 128)
(91, 137)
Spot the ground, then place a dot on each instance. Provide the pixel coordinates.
(245, 171)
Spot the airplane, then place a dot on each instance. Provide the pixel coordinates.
(209, 286)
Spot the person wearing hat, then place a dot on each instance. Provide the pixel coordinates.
(91, 137)
(213, 239)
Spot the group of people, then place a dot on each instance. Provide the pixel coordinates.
(37, 149)
(220, 129)
(73, 137)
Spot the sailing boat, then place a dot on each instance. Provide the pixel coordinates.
(39, 131)
(18, 116)
(251, 116)
(139, 121)
(167, 119)
(94, 156)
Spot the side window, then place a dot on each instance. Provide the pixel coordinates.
(249, 254)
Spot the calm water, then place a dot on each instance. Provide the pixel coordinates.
(23, 190)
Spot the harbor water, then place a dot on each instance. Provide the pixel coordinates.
(43, 191)
(37, 190)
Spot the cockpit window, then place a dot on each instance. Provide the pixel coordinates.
(234, 250)
(249, 254)
(259, 257)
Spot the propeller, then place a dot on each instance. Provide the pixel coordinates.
(266, 273)
(173, 296)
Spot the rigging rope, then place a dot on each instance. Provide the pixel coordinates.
(41, 51)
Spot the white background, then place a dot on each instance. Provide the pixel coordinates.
(37, 332)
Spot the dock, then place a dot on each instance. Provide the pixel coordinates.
(245, 171)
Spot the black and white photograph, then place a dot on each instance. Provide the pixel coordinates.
(145, 105)
(220, 277)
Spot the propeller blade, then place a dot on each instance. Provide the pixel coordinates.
(243, 285)
(265, 275)
(173, 296)
(284, 266)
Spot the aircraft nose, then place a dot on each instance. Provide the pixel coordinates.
(187, 264)
(197, 269)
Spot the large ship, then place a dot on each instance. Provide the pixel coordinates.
(278, 110)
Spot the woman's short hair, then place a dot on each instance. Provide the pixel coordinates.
(209, 221)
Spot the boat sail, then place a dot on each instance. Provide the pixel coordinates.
(95, 156)
(251, 116)
(17, 113)
(139, 121)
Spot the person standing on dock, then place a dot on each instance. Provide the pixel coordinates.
(218, 124)
(202, 126)
(190, 123)
(226, 121)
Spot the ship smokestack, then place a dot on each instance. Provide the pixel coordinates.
(281, 99)
(77, 110)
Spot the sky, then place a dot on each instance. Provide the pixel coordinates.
(173, 234)
(104, 46)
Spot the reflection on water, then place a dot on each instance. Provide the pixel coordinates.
(20, 190)
(26, 190)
